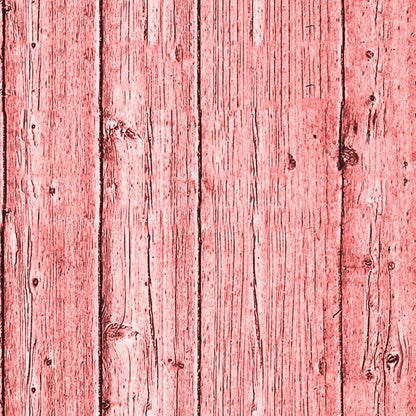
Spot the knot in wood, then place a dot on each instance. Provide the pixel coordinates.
(349, 156)
(369, 375)
(292, 162)
(392, 360)
(369, 54)
(367, 262)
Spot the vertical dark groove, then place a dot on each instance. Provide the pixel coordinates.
(199, 282)
(341, 138)
(4, 117)
(100, 226)
(341, 166)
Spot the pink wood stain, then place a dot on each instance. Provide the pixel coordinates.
(207, 207)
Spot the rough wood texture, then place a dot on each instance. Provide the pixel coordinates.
(150, 205)
(231, 181)
(378, 227)
(270, 208)
(51, 226)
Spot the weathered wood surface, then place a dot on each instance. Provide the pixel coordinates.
(271, 202)
(51, 226)
(150, 207)
(378, 225)
(208, 207)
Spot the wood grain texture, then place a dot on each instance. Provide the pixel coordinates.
(378, 227)
(150, 207)
(51, 227)
(271, 204)
(208, 207)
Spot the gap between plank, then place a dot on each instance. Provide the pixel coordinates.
(100, 224)
(199, 277)
(341, 166)
(4, 202)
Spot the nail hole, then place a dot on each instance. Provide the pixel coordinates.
(33, 390)
(391, 265)
(35, 282)
(33, 45)
(369, 54)
(52, 191)
(372, 97)
(367, 262)
(48, 362)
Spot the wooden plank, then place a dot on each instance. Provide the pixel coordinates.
(150, 207)
(271, 204)
(378, 227)
(51, 228)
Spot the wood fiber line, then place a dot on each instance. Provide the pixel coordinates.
(51, 216)
(271, 205)
(378, 267)
(150, 221)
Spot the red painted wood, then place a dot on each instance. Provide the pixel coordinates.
(379, 229)
(150, 207)
(297, 169)
(271, 208)
(51, 228)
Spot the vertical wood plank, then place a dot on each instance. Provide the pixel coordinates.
(378, 228)
(51, 227)
(271, 207)
(150, 261)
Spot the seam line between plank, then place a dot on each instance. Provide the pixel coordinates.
(341, 166)
(100, 226)
(4, 203)
(199, 152)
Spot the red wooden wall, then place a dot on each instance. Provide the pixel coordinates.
(207, 207)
